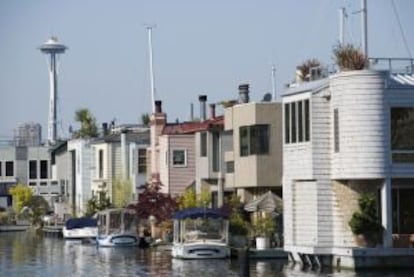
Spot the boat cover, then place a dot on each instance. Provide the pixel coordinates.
(194, 213)
(81, 222)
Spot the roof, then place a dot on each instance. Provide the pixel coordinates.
(399, 80)
(81, 222)
(193, 127)
(307, 86)
(142, 138)
(194, 213)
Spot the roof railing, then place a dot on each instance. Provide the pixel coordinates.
(393, 65)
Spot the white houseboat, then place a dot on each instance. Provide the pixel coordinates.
(117, 227)
(200, 234)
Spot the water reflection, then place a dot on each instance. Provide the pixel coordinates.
(25, 254)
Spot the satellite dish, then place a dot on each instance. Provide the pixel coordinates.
(267, 97)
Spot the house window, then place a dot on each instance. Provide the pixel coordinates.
(100, 166)
(43, 183)
(297, 121)
(230, 167)
(43, 169)
(0, 170)
(402, 133)
(203, 144)
(32, 169)
(254, 140)
(216, 151)
(287, 123)
(336, 131)
(142, 160)
(9, 169)
(179, 158)
(32, 184)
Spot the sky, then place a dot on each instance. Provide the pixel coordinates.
(200, 47)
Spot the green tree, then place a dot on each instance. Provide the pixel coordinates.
(96, 204)
(88, 124)
(21, 195)
(188, 199)
(204, 198)
(145, 119)
(121, 192)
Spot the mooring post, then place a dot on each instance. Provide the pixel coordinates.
(243, 259)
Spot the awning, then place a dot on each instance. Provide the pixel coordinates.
(268, 202)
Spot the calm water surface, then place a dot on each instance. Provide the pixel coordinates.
(26, 254)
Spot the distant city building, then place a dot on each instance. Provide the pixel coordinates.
(28, 134)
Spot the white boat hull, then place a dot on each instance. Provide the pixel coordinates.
(118, 240)
(200, 250)
(80, 233)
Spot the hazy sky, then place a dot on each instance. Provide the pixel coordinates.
(200, 47)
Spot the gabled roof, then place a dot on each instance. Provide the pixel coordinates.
(193, 127)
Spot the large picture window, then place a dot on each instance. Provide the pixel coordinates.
(254, 140)
(402, 134)
(297, 121)
(179, 157)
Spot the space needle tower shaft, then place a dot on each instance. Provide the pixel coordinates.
(52, 48)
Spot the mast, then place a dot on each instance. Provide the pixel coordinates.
(342, 16)
(149, 29)
(364, 27)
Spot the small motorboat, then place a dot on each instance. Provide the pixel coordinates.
(80, 228)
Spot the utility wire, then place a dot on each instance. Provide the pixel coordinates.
(401, 29)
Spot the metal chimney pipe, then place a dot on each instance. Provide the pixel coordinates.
(158, 108)
(203, 100)
(212, 110)
(244, 93)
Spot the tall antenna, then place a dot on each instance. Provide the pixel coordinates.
(273, 82)
(364, 27)
(149, 29)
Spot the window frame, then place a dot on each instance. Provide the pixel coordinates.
(184, 157)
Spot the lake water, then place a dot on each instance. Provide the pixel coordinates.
(27, 254)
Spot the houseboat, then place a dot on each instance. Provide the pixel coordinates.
(200, 234)
(117, 227)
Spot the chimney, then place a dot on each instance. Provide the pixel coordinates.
(244, 93)
(158, 108)
(191, 112)
(212, 110)
(203, 100)
(104, 128)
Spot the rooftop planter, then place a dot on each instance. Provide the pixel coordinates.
(348, 57)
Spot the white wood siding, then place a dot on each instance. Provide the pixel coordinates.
(359, 98)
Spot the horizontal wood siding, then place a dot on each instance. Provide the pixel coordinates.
(363, 132)
(181, 177)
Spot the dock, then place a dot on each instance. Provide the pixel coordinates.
(270, 253)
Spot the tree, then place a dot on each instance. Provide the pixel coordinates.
(96, 204)
(39, 207)
(188, 199)
(22, 195)
(153, 202)
(88, 124)
(145, 119)
(122, 192)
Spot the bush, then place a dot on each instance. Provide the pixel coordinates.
(365, 221)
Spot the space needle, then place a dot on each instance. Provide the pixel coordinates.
(52, 47)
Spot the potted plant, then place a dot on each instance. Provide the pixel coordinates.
(238, 229)
(365, 223)
(349, 57)
(264, 227)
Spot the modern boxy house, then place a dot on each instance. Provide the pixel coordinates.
(346, 135)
